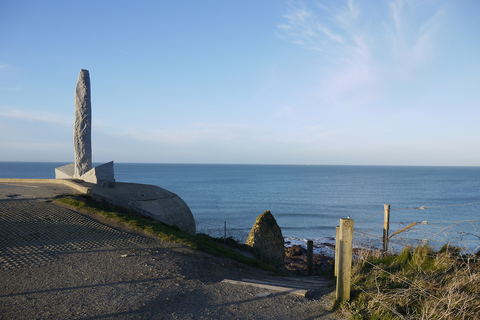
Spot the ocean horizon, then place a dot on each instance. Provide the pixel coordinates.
(306, 200)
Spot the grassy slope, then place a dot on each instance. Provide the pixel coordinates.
(416, 284)
(166, 232)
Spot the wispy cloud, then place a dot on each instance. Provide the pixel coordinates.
(362, 51)
(229, 135)
(22, 115)
(303, 27)
(188, 135)
(334, 32)
(412, 41)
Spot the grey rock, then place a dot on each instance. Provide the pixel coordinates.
(82, 128)
(267, 240)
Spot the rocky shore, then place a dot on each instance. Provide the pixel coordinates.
(296, 262)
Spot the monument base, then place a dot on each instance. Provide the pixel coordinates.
(102, 175)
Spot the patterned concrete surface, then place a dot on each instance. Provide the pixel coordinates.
(34, 232)
(39, 188)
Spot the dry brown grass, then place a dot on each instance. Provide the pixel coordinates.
(416, 284)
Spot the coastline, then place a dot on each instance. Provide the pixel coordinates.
(112, 274)
(307, 201)
(321, 246)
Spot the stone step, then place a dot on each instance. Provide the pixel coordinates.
(299, 286)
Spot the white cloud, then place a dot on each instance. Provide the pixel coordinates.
(423, 50)
(353, 8)
(230, 136)
(304, 28)
(22, 115)
(413, 40)
(351, 71)
(396, 8)
(189, 135)
(332, 36)
(362, 53)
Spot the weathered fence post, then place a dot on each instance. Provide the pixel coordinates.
(345, 248)
(309, 257)
(386, 222)
(225, 233)
(337, 250)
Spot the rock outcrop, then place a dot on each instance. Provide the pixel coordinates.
(267, 240)
(296, 262)
(82, 128)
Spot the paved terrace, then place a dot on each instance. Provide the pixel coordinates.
(34, 232)
(56, 263)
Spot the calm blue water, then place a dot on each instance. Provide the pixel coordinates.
(307, 201)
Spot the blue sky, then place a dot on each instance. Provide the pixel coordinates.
(265, 82)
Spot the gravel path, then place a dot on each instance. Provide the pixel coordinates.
(58, 264)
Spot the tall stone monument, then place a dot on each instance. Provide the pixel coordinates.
(82, 128)
(82, 140)
(150, 201)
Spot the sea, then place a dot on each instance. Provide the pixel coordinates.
(308, 201)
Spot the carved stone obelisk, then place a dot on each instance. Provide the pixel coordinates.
(82, 128)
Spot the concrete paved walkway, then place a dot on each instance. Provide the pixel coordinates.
(34, 232)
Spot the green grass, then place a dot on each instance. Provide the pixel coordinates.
(164, 231)
(416, 284)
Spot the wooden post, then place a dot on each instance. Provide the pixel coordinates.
(386, 223)
(344, 259)
(337, 250)
(309, 257)
(225, 233)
